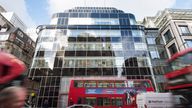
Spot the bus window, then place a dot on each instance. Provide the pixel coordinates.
(78, 83)
(119, 101)
(103, 84)
(99, 101)
(90, 101)
(111, 85)
(120, 84)
(106, 101)
(113, 100)
(90, 84)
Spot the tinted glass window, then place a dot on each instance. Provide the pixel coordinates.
(104, 15)
(113, 16)
(94, 15)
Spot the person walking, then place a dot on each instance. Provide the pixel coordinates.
(12, 94)
(13, 97)
(10, 68)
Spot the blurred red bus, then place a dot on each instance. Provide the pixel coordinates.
(180, 74)
(107, 93)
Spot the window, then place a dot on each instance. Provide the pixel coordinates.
(137, 33)
(150, 40)
(120, 84)
(78, 83)
(189, 42)
(142, 62)
(172, 49)
(154, 54)
(90, 101)
(3, 29)
(168, 36)
(140, 46)
(103, 84)
(119, 101)
(90, 84)
(184, 30)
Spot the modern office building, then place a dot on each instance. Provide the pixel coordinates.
(175, 29)
(88, 42)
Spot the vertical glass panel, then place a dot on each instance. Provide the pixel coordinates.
(116, 39)
(69, 63)
(92, 63)
(142, 62)
(106, 46)
(137, 33)
(93, 21)
(70, 47)
(104, 15)
(132, 19)
(80, 47)
(119, 61)
(117, 46)
(154, 54)
(94, 33)
(107, 62)
(150, 40)
(81, 63)
(140, 46)
(94, 15)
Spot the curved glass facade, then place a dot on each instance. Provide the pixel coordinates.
(101, 42)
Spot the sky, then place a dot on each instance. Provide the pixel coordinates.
(38, 12)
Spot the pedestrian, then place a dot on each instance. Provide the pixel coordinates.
(13, 97)
(46, 103)
(10, 68)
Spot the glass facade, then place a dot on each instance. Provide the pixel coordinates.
(156, 49)
(88, 41)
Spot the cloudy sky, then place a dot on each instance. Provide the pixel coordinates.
(37, 12)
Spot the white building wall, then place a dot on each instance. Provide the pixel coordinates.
(15, 20)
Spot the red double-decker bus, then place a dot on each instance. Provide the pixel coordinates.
(107, 93)
(180, 76)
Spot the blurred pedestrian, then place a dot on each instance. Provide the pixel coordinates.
(46, 103)
(13, 97)
(10, 69)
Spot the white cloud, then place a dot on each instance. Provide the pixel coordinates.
(19, 7)
(140, 8)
